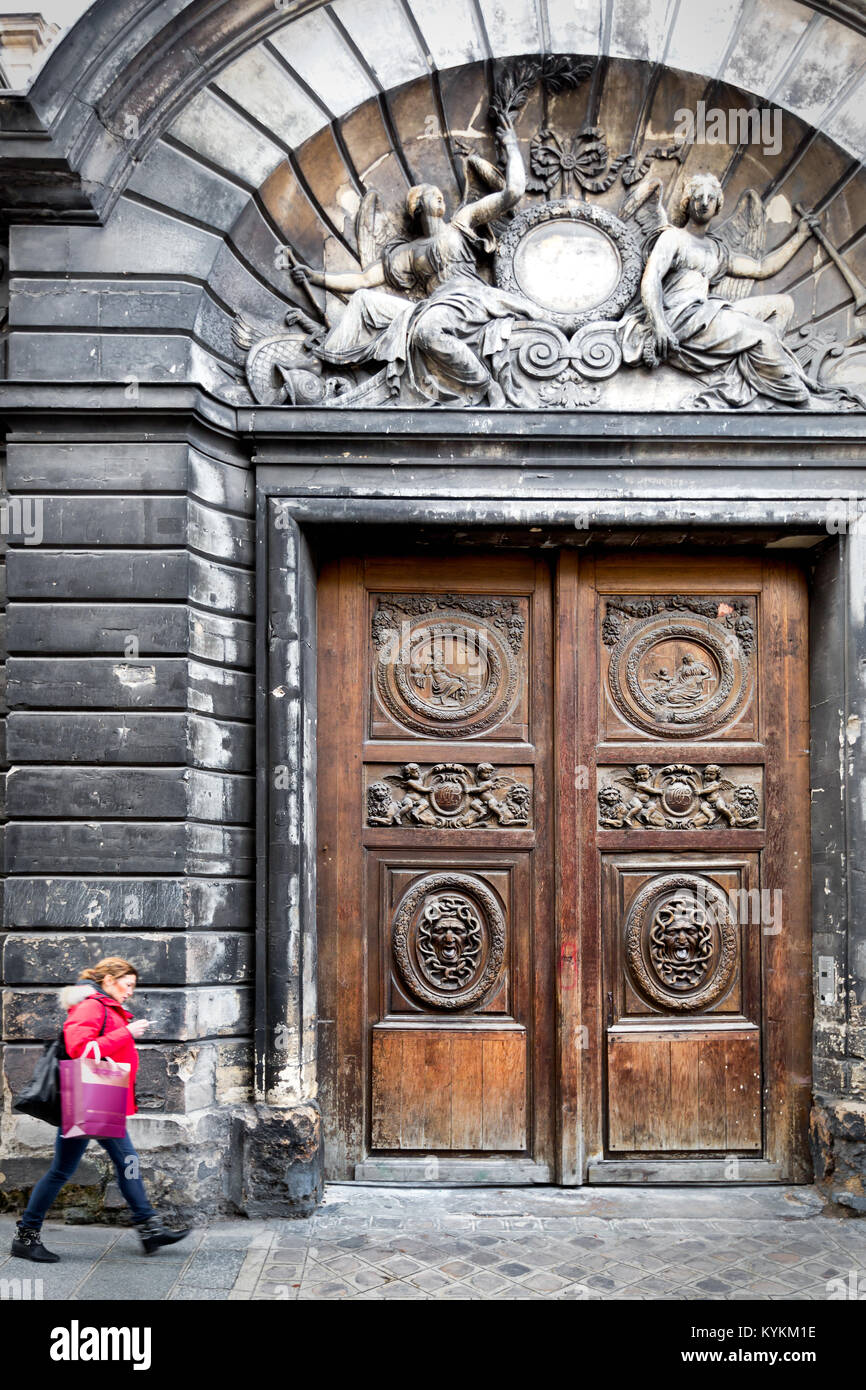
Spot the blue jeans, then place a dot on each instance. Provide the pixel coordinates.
(67, 1156)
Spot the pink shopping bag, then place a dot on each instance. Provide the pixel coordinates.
(93, 1096)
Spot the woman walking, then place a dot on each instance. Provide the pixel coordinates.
(96, 1013)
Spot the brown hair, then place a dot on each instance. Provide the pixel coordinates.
(114, 966)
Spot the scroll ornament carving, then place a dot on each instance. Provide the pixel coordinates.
(448, 940)
(676, 797)
(449, 796)
(681, 942)
(501, 305)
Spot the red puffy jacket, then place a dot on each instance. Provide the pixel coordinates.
(84, 1024)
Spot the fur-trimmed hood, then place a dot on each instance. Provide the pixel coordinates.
(73, 994)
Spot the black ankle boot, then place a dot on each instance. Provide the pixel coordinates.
(27, 1246)
(154, 1233)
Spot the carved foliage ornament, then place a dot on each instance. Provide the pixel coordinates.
(504, 613)
(676, 797)
(448, 940)
(582, 164)
(447, 665)
(734, 614)
(449, 797)
(681, 942)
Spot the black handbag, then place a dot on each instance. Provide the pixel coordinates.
(41, 1097)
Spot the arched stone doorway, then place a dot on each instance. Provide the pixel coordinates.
(164, 177)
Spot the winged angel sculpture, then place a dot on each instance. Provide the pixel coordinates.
(694, 313)
(450, 344)
(433, 326)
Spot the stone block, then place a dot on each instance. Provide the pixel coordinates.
(176, 1079)
(169, 176)
(210, 127)
(837, 1136)
(152, 904)
(280, 1168)
(19, 1175)
(103, 629)
(234, 1072)
(161, 959)
(181, 1014)
(106, 846)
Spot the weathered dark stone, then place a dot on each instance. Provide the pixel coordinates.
(85, 1193)
(157, 793)
(169, 958)
(181, 1014)
(129, 736)
(104, 630)
(160, 466)
(837, 1129)
(148, 904)
(280, 1166)
(161, 847)
(115, 575)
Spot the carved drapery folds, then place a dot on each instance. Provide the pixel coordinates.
(530, 295)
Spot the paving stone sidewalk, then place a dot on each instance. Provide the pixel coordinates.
(518, 1243)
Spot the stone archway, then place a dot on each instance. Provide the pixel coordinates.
(176, 158)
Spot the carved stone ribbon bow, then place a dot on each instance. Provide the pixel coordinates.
(579, 164)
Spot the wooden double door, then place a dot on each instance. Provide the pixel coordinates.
(563, 823)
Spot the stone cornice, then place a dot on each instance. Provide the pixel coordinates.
(478, 439)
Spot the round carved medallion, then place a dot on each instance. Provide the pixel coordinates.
(681, 942)
(448, 675)
(575, 261)
(448, 938)
(679, 795)
(682, 671)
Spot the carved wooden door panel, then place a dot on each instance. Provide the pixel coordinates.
(691, 821)
(435, 898)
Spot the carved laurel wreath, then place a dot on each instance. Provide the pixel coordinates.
(647, 902)
(492, 919)
(633, 701)
(566, 210)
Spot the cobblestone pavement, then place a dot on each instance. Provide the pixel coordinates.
(384, 1242)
